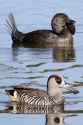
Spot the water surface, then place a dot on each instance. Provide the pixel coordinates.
(32, 66)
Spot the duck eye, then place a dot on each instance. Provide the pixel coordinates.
(56, 120)
(58, 80)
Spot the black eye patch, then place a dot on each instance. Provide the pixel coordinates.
(58, 80)
(56, 120)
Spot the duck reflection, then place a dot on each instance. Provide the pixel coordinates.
(55, 119)
(59, 54)
(64, 54)
(20, 108)
(54, 115)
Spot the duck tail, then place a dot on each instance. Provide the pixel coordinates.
(16, 35)
(11, 24)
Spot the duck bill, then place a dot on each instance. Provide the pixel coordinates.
(69, 88)
(72, 21)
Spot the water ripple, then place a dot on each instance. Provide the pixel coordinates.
(35, 65)
(62, 69)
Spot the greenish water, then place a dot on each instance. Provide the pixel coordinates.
(34, 65)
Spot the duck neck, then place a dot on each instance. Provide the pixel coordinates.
(62, 33)
(53, 89)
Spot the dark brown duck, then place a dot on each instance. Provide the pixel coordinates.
(62, 30)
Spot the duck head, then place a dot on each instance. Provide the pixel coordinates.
(53, 85)
(61, 23)
(56, 85)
